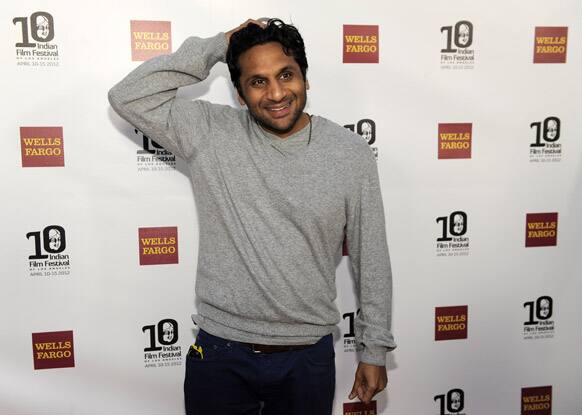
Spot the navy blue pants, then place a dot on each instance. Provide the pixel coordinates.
(233, 380)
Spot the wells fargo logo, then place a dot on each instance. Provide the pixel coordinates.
(455, 141)
(536, 400)
(541, 229)
(550, 44)
(361, 44)
(158, 245)
(52, 350)
(360, 408)
(42, 146)
(451, 322)
(149, 39)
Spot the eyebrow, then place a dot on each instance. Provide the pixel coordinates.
(261, 76)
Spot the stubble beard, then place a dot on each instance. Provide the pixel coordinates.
(265, 124)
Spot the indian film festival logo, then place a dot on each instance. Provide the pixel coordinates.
(349, 335)
(51, 350)
(453, 240)
(545, 147)
(451, 323)
(541, 229)
(536, 400)
(365, 128)
(42, 147)
(158, 245)
(451, 403)
(153, 157)
(539, 323)
(49, 257)
(36, 46)
(149, 39)
(550, 44)
(161, 349)
(361, 44)
(458, 53)
(455, 140)
(360, 408)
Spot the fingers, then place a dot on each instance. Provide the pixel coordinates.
(356, 386)
(368, 382)
(262, 21)
(368, 395)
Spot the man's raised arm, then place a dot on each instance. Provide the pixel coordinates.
(146, 97)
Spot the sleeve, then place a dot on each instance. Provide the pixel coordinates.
(368, 251)
(146, 98)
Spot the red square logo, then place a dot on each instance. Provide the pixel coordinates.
(455, 140)
(360, 408)
(158, 245)
(451, 322)
(52, 350)
(149, 39)
(42, 146)
(536, 400)
(541, 229)
(361, 44)
(550, 44)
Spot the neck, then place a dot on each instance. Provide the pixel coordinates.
(299, 125)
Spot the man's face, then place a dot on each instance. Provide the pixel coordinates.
(54, 239)
(458, 224)
(168, 330)
(455, 401)
(463, 36)
(552, 129)
(42, 27)
(367, 131)
(273, 88)
(544, 308)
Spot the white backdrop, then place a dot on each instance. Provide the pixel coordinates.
(109, 305)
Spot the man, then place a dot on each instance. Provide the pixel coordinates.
(276, 188)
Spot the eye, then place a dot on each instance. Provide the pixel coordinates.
(257, 83)
(286, 76)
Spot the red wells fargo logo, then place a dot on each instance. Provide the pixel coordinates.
(361, 44)
(42, 146)
(451, 322)
(550, 44)
(52, 350)
(541, 229)
(149, 39)
(158, 245)
(455, 140)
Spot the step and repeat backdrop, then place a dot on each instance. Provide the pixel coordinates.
(473, 112)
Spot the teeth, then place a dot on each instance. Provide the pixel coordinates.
(279, 108)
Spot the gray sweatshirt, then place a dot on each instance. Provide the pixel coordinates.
(272, 212)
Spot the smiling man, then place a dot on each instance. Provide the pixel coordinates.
(276, 190)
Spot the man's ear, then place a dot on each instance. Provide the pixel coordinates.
(306, 84)
(240, 100)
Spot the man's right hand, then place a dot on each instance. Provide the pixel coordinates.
(262, 23)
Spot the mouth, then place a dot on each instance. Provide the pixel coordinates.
(279, 110)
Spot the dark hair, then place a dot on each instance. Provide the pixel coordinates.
(252, 35)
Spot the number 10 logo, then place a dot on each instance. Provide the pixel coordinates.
(453, 401)
(461, 35)
(53, 241)
(540, 310)
(549, 133)
(165, 332)
(41, 29)
(455, 223)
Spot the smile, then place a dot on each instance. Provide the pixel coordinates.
(279, 108)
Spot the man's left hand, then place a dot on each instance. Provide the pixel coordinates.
(370, 380)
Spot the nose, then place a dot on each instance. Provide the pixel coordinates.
(276, 92)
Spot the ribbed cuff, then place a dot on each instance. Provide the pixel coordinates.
(373, 355)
